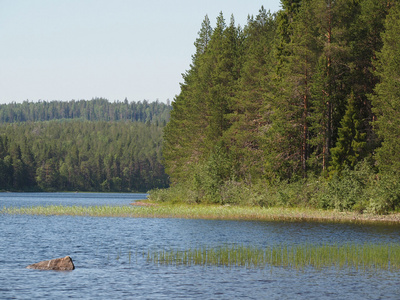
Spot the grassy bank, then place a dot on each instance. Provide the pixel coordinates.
(360, 190)
(351, 256)
(214, 212)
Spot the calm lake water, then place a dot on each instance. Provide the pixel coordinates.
(108, 256)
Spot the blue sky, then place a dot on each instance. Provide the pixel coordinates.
(81, 49)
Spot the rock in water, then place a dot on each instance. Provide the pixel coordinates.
(58, 264)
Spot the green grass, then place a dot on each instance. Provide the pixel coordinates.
(193, 211)
(59, 210)
(351, 256)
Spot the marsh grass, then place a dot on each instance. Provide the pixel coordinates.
(194, 211)
(359, 257)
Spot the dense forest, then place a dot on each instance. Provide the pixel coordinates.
(301, 107)
(97, 109)
(81, 151)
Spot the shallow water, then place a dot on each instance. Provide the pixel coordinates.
(109, 256)
(69, 199)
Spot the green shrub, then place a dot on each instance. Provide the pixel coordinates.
(360, 190)
(179, 193)
(349, 189)
(385, 194)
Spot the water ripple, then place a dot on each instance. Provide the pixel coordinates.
(110, 259)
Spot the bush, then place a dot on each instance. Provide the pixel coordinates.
(385, 194)
(348, 190)
(360, 190)
(178, 193)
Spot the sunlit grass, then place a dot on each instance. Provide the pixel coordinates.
(60, 210)
(359, 257)
(203, 212)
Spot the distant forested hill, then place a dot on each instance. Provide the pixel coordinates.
(98, 109)
(82, 145)
(78, 155)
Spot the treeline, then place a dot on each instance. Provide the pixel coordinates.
(78, 155)
(97, 109)
(309, 96)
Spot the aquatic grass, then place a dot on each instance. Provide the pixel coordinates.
(166, 210)
(364, 257)
(54, 210)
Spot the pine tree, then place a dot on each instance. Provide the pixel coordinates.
(331, 82)
(285, 19)
(366, 42)
(292, 98)
(189, 115)
(249, 106)
(386, 102)
(221, 65)
(351, 142)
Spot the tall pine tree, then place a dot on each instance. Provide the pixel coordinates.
(250, 107)
(351, 142)
(189, 115)
(386, 102)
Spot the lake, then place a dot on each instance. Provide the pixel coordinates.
(108, 254)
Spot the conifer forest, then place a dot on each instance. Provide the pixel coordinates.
(82, 145)
(297, 108)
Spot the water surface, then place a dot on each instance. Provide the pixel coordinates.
(109, 261)
(68, 199)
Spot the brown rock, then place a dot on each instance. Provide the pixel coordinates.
(59, 264)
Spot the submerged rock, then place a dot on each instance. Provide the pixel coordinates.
(58, 264)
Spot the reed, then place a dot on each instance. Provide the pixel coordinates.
(60, 210)
(351, 256)
(206, 212)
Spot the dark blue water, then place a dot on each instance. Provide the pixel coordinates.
(109, 261)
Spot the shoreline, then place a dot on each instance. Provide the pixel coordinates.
(150, 209)
(277, 213)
